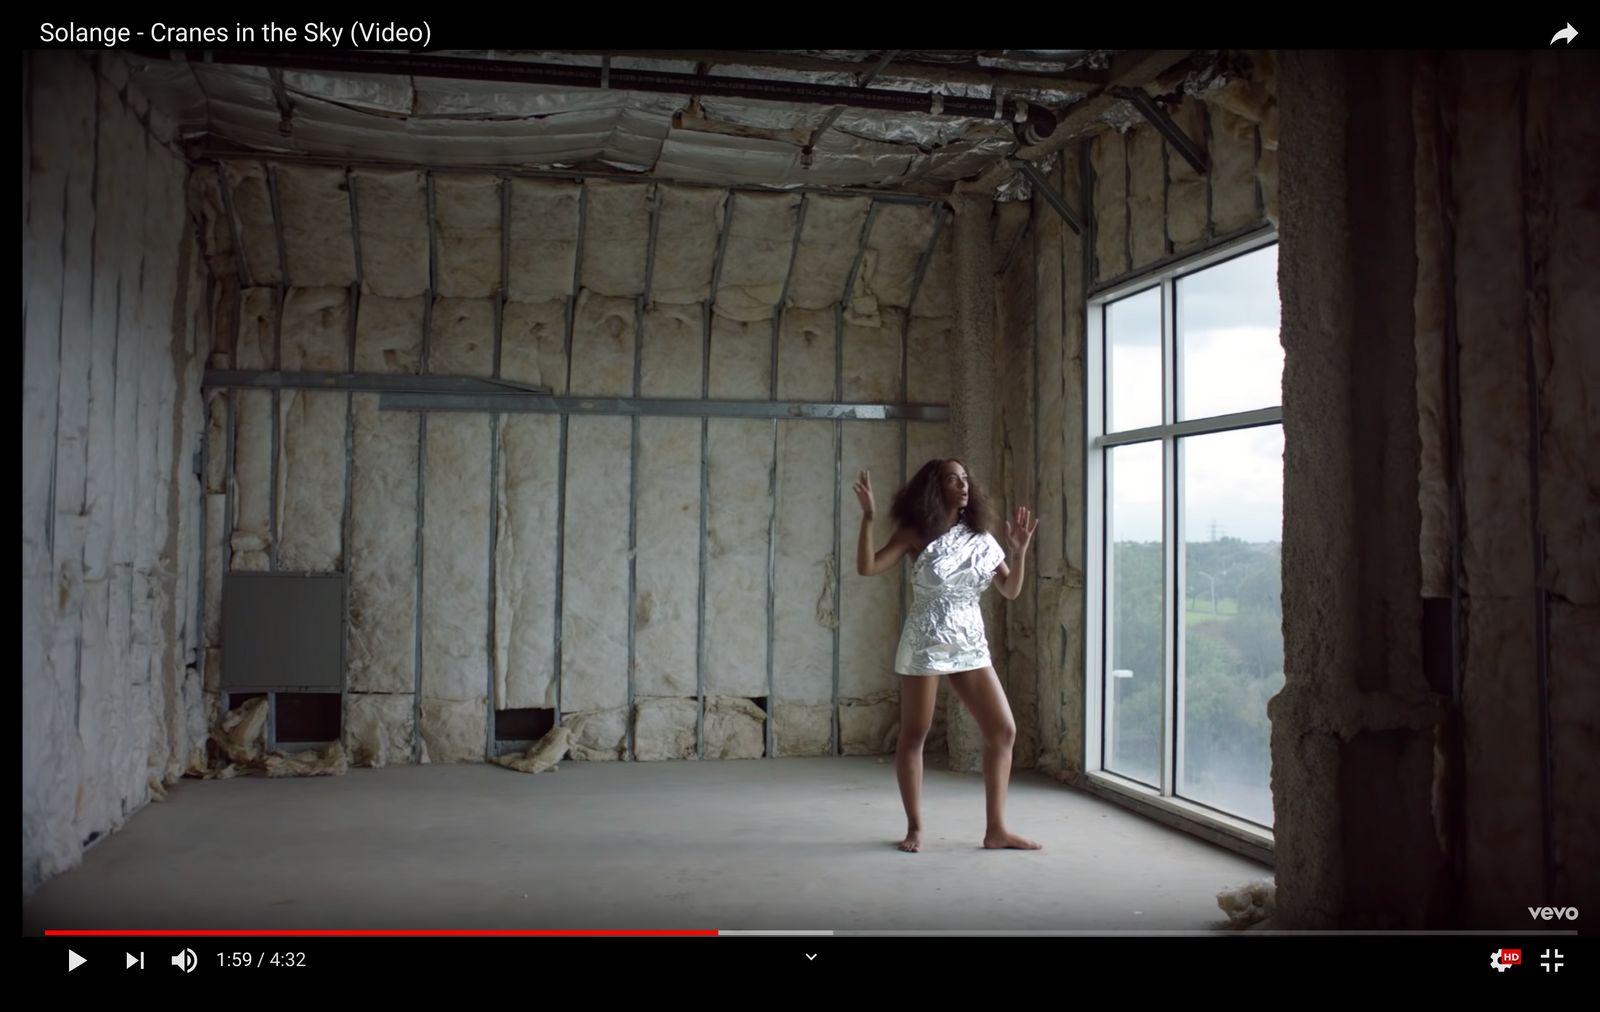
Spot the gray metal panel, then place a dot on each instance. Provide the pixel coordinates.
(284, 631)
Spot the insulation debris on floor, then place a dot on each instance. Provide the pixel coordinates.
(237, 747)
(544, 754)
(1249, 904)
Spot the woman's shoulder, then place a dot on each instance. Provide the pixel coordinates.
(983, 538)
(992, 543)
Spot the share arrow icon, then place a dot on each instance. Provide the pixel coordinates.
(1569, 33)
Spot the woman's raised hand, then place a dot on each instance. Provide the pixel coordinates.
(864, 493)
(1019, 531)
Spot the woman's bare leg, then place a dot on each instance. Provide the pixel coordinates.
(918, 695)
(983, 695)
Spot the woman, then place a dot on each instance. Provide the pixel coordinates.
(942, 520)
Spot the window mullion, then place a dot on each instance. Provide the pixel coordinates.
(1179, 575)
(1169, 528)
(1096, 568)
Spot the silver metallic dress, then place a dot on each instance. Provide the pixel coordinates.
(944, 626)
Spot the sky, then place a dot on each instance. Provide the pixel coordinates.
(1230, 360)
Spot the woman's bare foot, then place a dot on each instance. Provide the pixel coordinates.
(913, 841)
(1003, 840)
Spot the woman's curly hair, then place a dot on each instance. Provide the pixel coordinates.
(919, 505)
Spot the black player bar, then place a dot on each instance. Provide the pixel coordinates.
(1502, 960)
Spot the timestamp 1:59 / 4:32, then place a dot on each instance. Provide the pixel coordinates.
(241, 960)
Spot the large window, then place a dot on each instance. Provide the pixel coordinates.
(1185, 493)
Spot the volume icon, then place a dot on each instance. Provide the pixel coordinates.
(185, 961)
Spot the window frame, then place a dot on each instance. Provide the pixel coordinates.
(1161, 801)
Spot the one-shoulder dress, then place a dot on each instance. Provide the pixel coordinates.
(944, 629)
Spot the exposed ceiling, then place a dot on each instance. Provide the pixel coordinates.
(918, 121)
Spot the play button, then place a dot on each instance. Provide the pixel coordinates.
(74, 961)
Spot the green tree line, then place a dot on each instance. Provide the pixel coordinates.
(1233, 663)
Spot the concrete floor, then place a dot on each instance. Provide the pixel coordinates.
(761, 844)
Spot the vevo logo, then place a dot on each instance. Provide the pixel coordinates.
(1555, 913)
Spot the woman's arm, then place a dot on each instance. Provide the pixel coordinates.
(1010, 580)
(868, 563)
(1019, 534)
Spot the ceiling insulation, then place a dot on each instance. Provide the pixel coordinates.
(780, 119)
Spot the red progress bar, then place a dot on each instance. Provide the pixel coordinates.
(354, 933)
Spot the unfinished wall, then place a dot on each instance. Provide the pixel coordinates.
(1016, 480)
(1149, 206)
(1057, 553)
(1412, 784)
(1505, 324)
(1352, 728)
(489, 560)
(113, 343)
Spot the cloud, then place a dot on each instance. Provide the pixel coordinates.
(1231, 360)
